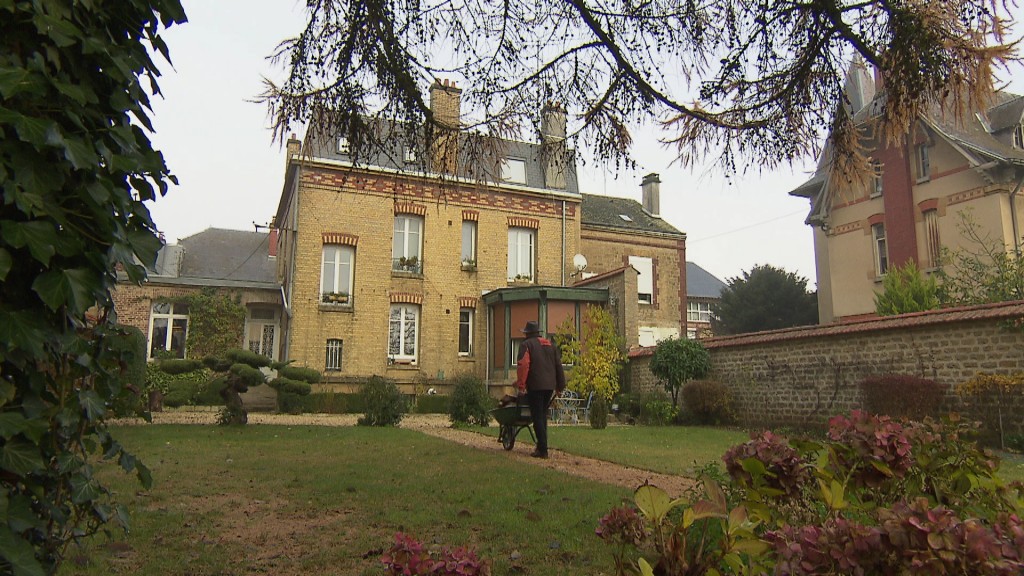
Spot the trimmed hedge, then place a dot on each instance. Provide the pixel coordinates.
(300, 373)
(289, 386)
(432, 404)
(247, 374)
(177, 366)
(707, 402)
(239, 356)
(902, 396)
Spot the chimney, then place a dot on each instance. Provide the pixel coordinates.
(445, 104)
(879, 81)
(650, 195)
(292, 148)
(553, 148)
(272, 248)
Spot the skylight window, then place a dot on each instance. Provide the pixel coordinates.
(625, 217)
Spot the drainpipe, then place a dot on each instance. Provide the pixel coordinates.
(562, 266)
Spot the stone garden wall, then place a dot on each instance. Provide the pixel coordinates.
(801, 377)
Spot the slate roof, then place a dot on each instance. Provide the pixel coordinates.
(217, 256)
(702, 284)
(604, 211)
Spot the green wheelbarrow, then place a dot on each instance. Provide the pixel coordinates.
(511, 421)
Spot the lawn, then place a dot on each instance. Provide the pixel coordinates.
(321, 500)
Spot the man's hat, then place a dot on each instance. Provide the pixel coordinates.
(531, 328)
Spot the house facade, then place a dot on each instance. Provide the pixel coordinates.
(703, 291)
(422, 264)
(235, 263)
(913, 205)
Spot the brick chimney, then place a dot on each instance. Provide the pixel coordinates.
(446, 104)
(292, 147)
(553, 147)
(650, 195)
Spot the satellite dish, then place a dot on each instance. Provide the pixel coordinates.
(580, 262)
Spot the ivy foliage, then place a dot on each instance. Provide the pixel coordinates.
(215, 321)
(598, 356)
(676, 362)
(76, 166)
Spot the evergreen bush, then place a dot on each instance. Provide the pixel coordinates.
(432, 404)
(129, 342)
(598, 414)
(383, 403)
(176, 366)
(470, 402)
(300, 373)
(707, 402)
(239, 356)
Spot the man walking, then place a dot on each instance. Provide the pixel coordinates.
(539, 375)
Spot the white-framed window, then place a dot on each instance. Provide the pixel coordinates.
(924, 164)
(931, 235)
(645, 278)
(469, 241)
(343, 147)
(513, 170)
(1018, 136)
(521, 242)
(168, 328)
(514, 350)
(336, 269)
(466, 331)
(698, 311)
(408, 243)
(332, 362)
(880, 249)
(876, 178)
(403, 333)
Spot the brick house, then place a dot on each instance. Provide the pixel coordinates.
(422, 264)
(911, 208)
(232, 262)
(703, 290)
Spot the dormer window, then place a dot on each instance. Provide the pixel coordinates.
(513, 170)
(410, 155)
(1018, 136)
(343, 147)
(924, 164)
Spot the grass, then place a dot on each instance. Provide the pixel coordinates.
(320, 500)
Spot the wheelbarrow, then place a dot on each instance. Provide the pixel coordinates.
(511, 421)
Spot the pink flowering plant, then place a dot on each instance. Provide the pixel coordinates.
(408, 557)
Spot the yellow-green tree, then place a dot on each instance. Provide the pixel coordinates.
(997, 387)
(599, 358)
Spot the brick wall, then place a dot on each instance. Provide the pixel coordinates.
(803, 376)
(362, 206)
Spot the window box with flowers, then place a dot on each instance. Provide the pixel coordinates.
(521, 279)
(468, 265)
(410, 264)
(334, 298)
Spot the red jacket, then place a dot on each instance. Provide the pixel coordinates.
(539, 366)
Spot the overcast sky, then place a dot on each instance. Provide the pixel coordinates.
(218, 143)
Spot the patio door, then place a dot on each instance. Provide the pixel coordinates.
(261, 330)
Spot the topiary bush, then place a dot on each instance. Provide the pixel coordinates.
(239, 356)
(383, 403)
(432, 404)
(707, 402)
(129, 342)
(470, 403)
(176, 366)
(185, 389)
(902, 396)
(300, 373)
(289, 393)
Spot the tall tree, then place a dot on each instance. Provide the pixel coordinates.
(759, 81)
(766, 298)
(76, 166)
(677, 361)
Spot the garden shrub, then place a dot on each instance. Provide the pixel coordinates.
(432, 404)
(707, 402)
(129, 343)
(383, 403)
(877, 496)
(658, 413)
(470, 402)
(634, 407)
(902, 396)
(300, 373)
(289, 394)
(185, 389)
(249, 358)
(248, 375)
(598, 414)
(176, 366)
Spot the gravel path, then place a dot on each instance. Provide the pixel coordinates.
(438, 425)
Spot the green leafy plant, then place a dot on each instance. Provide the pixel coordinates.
(382, 402)
(215, 321)
(408, 557)
(902, 396)
(598, 413)
(905, 289)
(600, 358)
(310, 375)
(470, 403)
(997, 389)
(707, 401)
(76, 171)
(658, 413)
(982, 270)
(676, 361)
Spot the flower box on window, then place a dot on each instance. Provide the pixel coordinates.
(411, 264)
(334, 298)
(521, 279)
(469, 265)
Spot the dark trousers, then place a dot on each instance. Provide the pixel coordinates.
(538, 401)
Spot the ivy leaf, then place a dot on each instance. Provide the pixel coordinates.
(11, 424)
(38, 236)
(19, 554)
(7, 392)
(19, 514)
(15, 80)
(5, 263)
(38, 132)
(73, 288)
(92, 404)
(22, 330)
(20, 457)
(80, 154)
(84, 489)
(144, 475)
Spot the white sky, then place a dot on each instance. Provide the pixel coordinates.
(218, 143)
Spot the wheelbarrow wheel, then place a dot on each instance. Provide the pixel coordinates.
(507, 435)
